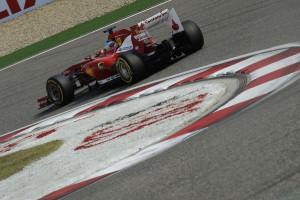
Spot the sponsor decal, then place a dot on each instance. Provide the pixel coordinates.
(126, 45)
(10, 9)
(119, 41)
(125, 48)
(157, 17)
(175, 26)
(101, 66)
(141, 36)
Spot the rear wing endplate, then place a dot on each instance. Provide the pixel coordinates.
(165, 16)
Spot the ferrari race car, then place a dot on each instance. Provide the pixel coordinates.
(127, 55)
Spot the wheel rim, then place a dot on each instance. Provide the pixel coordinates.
(124, 70)
(54, 92)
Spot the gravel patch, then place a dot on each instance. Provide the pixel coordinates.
(51, 19)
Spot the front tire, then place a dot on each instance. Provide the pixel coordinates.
(60, 90)
(193, 35)
(131, 68)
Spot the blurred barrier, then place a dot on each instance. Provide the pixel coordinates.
(10, 9)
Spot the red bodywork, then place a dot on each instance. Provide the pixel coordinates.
(101, 66)
(98, 67)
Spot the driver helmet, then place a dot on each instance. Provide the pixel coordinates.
(110, 45)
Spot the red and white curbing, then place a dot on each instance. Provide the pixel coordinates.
(95, 141)
(267, 71)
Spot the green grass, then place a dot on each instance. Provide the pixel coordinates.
(76, 31)
(15, 162)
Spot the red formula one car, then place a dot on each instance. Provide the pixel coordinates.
(127, 55)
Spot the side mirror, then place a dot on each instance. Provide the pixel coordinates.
(109, 29)
(88, 58)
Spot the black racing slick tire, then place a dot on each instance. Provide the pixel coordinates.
(60, 90)
(193, 35)
(131, 68)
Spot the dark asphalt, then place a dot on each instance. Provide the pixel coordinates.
(255, 154)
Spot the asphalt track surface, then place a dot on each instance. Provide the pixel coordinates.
(254, 154)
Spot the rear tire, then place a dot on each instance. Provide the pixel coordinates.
(193, 36)
(60, 90)
(131, 68)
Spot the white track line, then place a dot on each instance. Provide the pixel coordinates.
(70, 41)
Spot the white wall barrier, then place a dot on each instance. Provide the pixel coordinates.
(10, 9)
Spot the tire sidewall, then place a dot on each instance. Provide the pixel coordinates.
(134, 67)
(121, 66)
(193, 35)
(65, 88)
(58, 86)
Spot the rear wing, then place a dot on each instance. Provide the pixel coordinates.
(140, 30)
(165, 16)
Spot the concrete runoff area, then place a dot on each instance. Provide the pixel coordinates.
(251, 155)
(98, 140)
